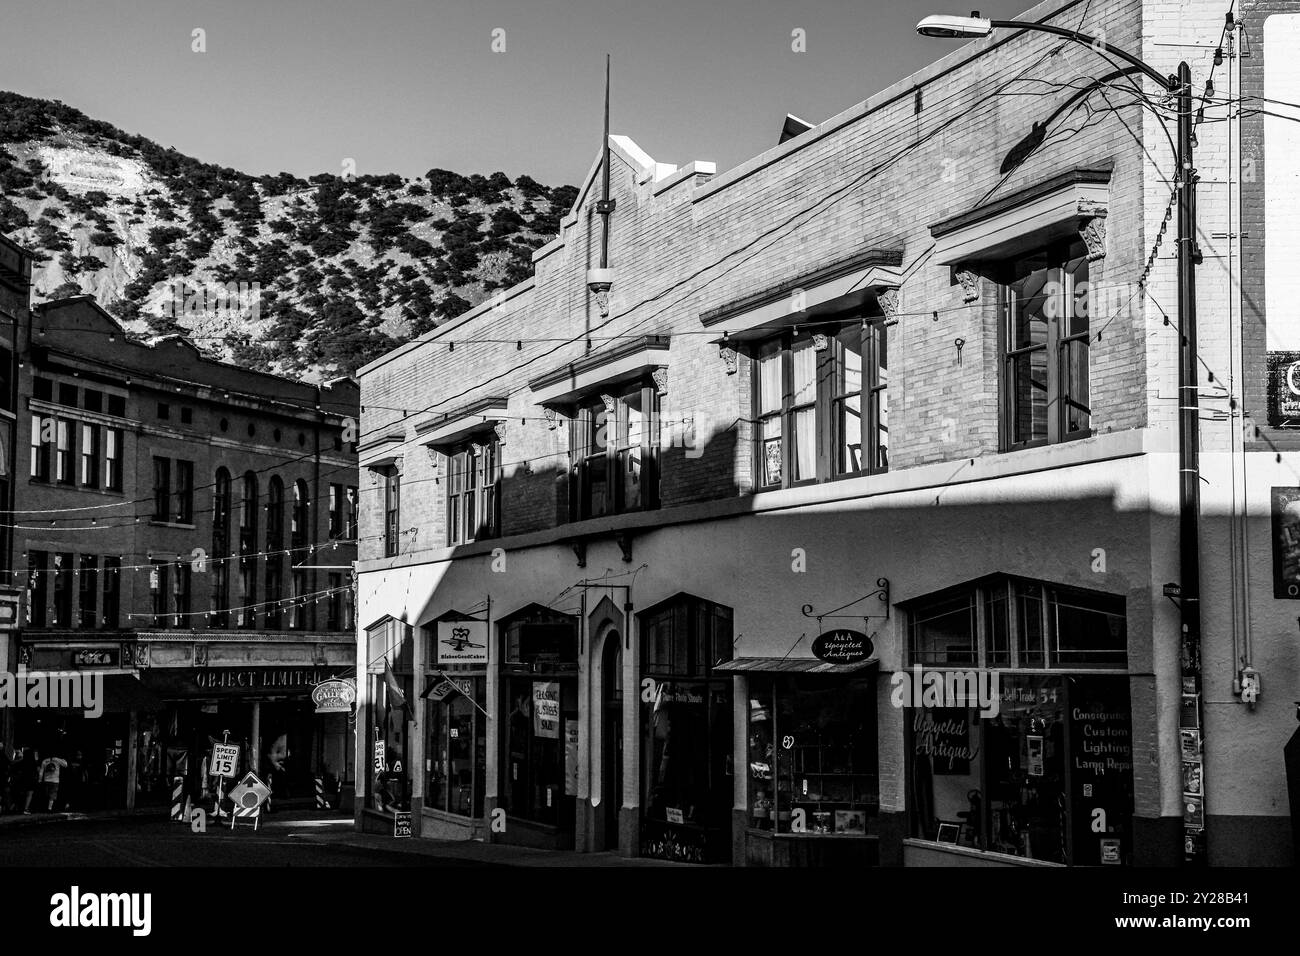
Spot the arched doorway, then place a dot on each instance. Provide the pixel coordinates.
(611, 736)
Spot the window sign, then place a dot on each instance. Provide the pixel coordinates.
(546, 709)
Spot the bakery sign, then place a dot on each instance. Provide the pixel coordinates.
(337, 695)
(842, 646)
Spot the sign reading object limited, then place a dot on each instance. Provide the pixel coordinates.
(462, 642)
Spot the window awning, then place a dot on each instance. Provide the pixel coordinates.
(787, 665)
(456, 426)
(382, 451)
(122, 694)
(625, 362)
(849, 284)
(1049, 210)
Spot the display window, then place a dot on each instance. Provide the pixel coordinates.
(813, 755)
(455, 751)
(1049, 777)
(686, 725)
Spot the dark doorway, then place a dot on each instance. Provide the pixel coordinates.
(611, 735)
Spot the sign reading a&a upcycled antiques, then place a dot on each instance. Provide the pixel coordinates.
(842, 646)
(225, 758)
(462, 642)
(335, 696)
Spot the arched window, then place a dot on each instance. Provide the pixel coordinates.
(274, 544)
(248, 551)
(301, 504)
(275, 514)
(220, 548)
(248, 515)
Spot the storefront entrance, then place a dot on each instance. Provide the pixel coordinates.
(611, 736)
(539, 697)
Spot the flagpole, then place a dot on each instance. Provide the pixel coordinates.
(456, 688)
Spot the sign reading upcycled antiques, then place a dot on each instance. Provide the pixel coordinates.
(546, 709)
(943, 734)
(335, 696)
(842, 646)
(462, 642)
(225, 758)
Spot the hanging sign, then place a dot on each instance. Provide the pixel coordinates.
(334, 696)
(546, 709)
(842, 646)
(462, 642)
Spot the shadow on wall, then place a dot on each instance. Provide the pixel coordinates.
(536, 495)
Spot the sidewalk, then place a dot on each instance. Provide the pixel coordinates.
(36, 817)
(499, 854)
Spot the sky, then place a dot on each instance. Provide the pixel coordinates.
(402, 86)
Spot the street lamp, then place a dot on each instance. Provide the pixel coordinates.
(1189, 437)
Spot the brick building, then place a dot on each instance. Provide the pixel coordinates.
(906, 377)
(186, 528)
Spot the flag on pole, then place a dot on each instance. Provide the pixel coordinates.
(395, 696)
(443, 690)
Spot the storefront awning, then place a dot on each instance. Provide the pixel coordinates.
(121, 694)
(744, 665)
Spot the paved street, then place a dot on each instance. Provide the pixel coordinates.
(154, 843)
(295, 839)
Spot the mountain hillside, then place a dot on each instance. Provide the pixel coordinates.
(307, 278)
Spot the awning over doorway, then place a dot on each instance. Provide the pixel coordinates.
(122, 693)
(801, 665)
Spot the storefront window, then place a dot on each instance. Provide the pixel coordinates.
(540, 699)
(686, 721)
(1049, 777)
(456, 751)
(813, 755)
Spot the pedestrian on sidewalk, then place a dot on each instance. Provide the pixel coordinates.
(74, 781)
(51, 768)
(28, 778)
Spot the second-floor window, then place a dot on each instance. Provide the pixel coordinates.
(162, 489)
(392, 510)
(89, 587)
(352, 514)
(275, 514)
(62, 590)
(613, 442)
(112, 592)
(336, 512)
(64, 472)
(1044, 333)
(158, 593)
(42, 442)
(90, 455)
(473, 492)
(821, 404)
(184, 492)
(113, 459)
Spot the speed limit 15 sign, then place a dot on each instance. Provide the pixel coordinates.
(225, 758)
